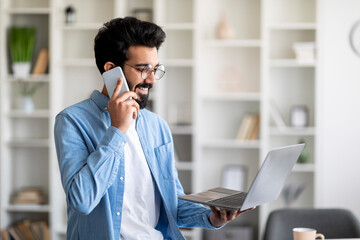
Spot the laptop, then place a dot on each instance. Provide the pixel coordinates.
(265, 188)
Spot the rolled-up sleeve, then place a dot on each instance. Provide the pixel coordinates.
(86, 175)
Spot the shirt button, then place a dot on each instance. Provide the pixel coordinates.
(118, 213)
(121, 178)
(105, 109)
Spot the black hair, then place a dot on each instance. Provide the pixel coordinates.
(114, 38)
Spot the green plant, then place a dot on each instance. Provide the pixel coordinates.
(22, 42)
(28, 88)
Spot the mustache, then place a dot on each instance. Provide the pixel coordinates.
(144, 85)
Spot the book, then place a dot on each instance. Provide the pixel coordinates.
(29, 195)
(41, 62)
(15, 234)
(5, 234)
(40, 230)
(241, 135)
(255, 131)
(24, 227)
(249, 127)
(27, 230)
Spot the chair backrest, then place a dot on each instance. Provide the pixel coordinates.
(333, 223)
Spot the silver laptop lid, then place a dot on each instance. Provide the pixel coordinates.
(271, 177)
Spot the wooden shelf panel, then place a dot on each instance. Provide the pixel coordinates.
(233, 97)
(235, 43)
(289, 131)
(306, 167)
(34, 114)
(32, 78)
(292, 63)
(178, 26)
(181, 129)
(31, 143)
(82, 26)
(178, 62)
(187, 166)
(293, 26)
(28, 208)
(38, 10)
(79, 62)
(229, 143)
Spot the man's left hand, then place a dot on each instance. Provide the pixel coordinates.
(223, 216)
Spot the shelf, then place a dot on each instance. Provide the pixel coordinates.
(28, 208)
(181, 165)
(79, 62)
(34, 114)
(82, 26)
(229, 143)
(306, 167)
(178, 26)
(260, 54)
(233, 97)
(293, 26)
(181, 129)
(29, 143)
(32, 78)
(61, 231)
(28, 10)
(288, 131)
(292, 63)
(234, 43)
(189, 233)
(179, 62)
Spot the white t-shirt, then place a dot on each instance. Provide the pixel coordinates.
(141, 206)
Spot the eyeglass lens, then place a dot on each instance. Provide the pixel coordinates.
(158, 72)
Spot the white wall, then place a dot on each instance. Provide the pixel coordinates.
(339, 122)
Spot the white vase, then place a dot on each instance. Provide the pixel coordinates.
(28, 105)
(224, 30)
(21, 69)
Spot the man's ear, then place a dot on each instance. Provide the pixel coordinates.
(108, 66)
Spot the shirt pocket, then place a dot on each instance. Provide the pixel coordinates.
(164, 159)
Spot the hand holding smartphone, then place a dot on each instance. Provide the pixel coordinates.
(122, 113)
(111, 78)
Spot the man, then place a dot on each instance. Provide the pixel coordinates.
(116, 158)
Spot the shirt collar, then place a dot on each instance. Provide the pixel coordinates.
(100, 100)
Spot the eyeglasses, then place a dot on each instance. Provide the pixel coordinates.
(147, 69)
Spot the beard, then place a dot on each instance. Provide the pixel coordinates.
(143, 99)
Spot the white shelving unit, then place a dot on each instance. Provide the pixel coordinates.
(25, 145)
(194, 96)
(289, 82)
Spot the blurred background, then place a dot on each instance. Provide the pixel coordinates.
(242, 77)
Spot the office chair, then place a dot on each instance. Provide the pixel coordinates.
(333, 223)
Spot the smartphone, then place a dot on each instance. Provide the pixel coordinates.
(111, 78)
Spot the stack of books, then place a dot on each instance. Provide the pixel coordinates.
(249, 128)
(27, 230)
(29, 195)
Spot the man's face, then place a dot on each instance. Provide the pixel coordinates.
(140, 56)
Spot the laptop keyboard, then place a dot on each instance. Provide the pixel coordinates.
(235, 200)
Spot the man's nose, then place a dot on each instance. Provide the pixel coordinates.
(151, 78)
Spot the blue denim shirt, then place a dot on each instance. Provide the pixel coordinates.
(91, 159)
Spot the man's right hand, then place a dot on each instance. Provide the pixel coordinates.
(122, 110)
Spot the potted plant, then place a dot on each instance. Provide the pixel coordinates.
(22, 42)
